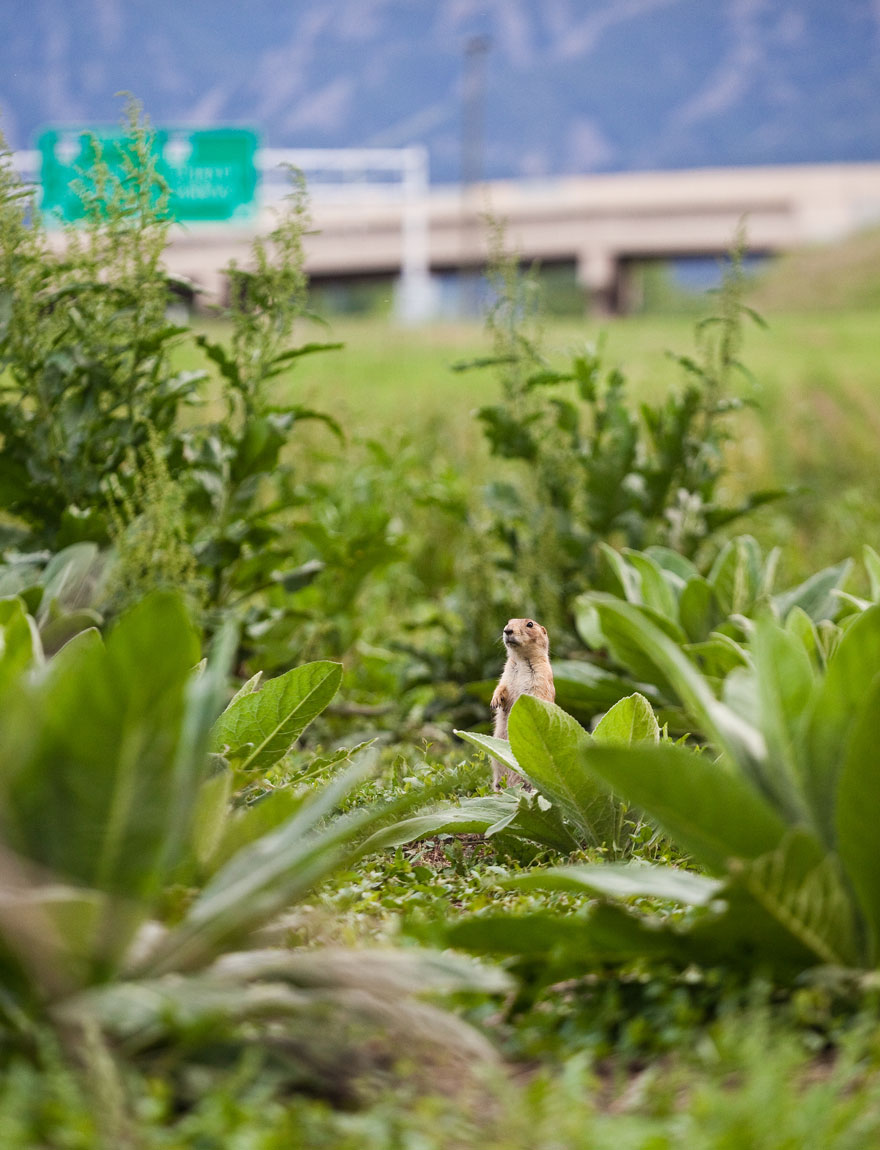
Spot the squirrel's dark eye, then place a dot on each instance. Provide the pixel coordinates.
(530, 623)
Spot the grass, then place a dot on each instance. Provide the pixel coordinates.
(743, 1077)
(814, 379)
(746, 1086)
(390, 375)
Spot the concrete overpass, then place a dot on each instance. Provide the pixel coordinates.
(601, 223)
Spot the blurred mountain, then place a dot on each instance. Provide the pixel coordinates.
(570, 85)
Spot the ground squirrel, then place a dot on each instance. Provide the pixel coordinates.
(526, 672)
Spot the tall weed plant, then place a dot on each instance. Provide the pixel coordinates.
(95, 444)
(84, 346)
(580, 464)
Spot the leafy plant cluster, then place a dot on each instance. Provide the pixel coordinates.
(701, 800)
(772, 807)
(139, 859)
(100, 444)
(591, 468)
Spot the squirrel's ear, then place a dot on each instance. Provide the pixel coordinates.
(544, 629)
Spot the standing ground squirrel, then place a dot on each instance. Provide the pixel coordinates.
(526, 672)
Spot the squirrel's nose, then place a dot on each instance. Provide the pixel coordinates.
(508, 630)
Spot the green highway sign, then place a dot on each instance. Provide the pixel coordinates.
(211, 173)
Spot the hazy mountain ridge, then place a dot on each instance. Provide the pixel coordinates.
(571, 86)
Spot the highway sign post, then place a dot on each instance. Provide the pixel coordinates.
(211, 174)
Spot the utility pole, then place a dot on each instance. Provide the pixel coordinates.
(473, 130)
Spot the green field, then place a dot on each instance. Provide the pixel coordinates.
(814, 379)
(387, 373)
(256, 889)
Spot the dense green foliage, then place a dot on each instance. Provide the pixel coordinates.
(598, 468)
(239, 842)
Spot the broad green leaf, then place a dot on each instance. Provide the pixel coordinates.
(627, 576)
(281, 867)
(837, 707)
(711, 813)
(737, 738)
(585, 689)
(539, 821)
(624, 640)
(718, 656)
(498, 748)
(91, 756)
(75, 648)
(520, 935)
(247, 688)
(271, 719)
(736, 575)
(858, 804)
(655, 589)
(20, 647)
(698, 610)
(815, 595)
(625, 880)
(548, 745)
(204, 691)
(800, 887)
(799, 624)
(784, 683)
(470, 816)
(671, 561)
(69, 576)
(244, 825)
(745, 937)
(267, 875)
(629, 721)
(872, 564)
(568, 946)
(62, 627)
(210, 816)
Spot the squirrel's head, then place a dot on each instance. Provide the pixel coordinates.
(526, 634)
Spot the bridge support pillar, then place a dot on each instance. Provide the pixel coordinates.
(597, 273)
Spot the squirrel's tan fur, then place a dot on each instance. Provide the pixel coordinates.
(526, 672)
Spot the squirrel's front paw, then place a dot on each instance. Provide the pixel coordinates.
(498, 699)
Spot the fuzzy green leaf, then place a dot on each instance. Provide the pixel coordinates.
(548, 745)
(631, 720)
(272, 718)
(626, 880)
(711, 813)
